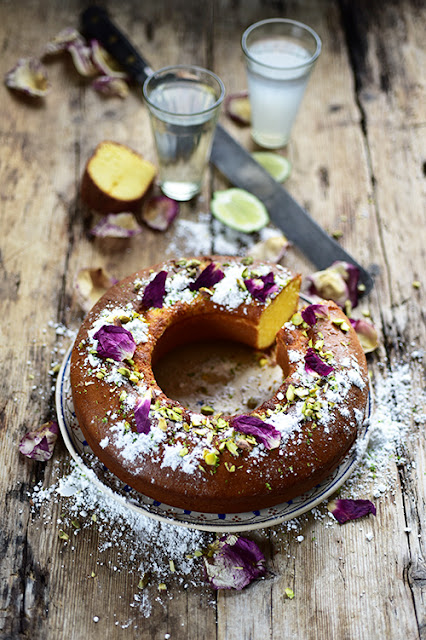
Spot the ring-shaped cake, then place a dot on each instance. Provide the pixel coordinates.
(218, 463)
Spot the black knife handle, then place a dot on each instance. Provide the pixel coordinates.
(95, 23)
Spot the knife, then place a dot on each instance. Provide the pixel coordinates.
(235, 162)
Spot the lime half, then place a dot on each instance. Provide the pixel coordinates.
(239, 209)
(278, 166)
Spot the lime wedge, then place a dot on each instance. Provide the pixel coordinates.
(239, 210)
(278, 166)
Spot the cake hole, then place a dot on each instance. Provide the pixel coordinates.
(228, 376)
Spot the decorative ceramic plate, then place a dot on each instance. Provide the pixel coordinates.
(221, 522)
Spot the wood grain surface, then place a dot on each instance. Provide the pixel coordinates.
(359, 164)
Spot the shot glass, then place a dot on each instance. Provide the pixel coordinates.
(184, 103)
(280, 55)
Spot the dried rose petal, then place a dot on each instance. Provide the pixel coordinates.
(261, 287)
(367, 334)
(155, 291)
(117, 225)
(262, 431)
(237, 107)
(272, 249)
(90, 285)
(143, 422)
(81, 55)
(314, 365)
(39, 444)
(347, 509)
(209, 276)
(62, 41)
(314, 311)
(105, 63)
(159, 212)
(339, 282)
(115, 342)
(28, 76)
(111, 86)
(232, 562)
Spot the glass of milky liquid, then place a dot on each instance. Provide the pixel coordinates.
(184, 103)
(280, 55)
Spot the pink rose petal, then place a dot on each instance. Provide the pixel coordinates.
(232, 562)
(115, 342)
(314, 365)
(270, 250)
(159, 212)
(314, 311)
(39, 444)
(347, 509)
(262, 431)
(209, 276)
(117, 225)
(143, 422)
(339, 282)
(367, 334)
(111, 86)
(155, 291)
(262, 287)
(29, 77)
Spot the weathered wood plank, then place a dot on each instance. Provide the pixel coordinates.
(359, 169)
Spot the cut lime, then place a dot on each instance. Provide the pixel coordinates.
(239, 209)
(278, 166)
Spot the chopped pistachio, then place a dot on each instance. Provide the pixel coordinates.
(289, 593)
(162, 587)
(172, 566)
(230, 467)
(162, 424)
(183, 452)
(232, 447)
(247, 260)
(206, 410)
(297, 319)
(63, 535)
(210, 457)
(290, 393)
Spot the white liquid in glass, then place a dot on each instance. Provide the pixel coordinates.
(276, 90)
(183, 141)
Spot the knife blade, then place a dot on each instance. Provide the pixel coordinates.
(235, 162)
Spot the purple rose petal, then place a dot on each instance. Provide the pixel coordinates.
(210, 276)
(117, 225)
(39, 444)
(159, 212)
(62, 41)
(106, 64)
(347, 509)
(111, 86)
(81, 55)
(314, 311)
(261, 287)
(29, 77)
(263, 432)
(233, 562)
(143, 422)
(367, 334)
(315, 365)
(339, 282)
(115, 342)
(155, 291)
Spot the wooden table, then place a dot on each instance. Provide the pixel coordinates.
(359, 167)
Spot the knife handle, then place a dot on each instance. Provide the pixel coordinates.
(95, 23)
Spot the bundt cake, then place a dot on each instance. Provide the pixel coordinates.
(217, 463)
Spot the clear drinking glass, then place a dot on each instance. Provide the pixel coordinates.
(280, 55)
(184, 103)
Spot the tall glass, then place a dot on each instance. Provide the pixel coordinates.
(280, 55)
(184, 103)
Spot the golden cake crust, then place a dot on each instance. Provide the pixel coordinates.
(205, 463)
